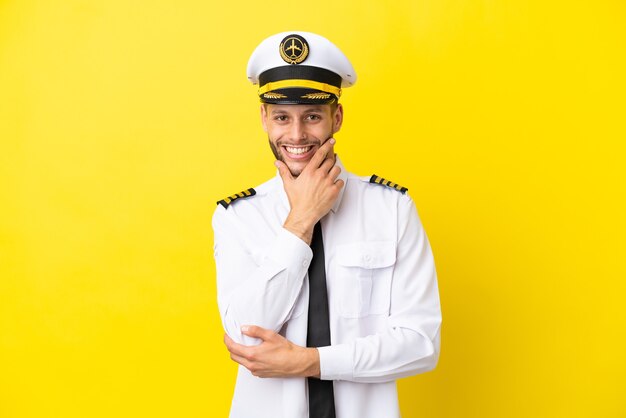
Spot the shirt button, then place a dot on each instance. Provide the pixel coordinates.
(304, 263)
(367, 257)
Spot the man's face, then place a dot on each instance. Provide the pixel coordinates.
(296, 132)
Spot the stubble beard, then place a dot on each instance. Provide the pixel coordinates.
(279, 155)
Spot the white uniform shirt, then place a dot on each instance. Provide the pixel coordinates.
(383, 299)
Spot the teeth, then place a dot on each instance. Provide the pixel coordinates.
(299, 150)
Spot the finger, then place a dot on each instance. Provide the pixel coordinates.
(334, 172)
(228, 341)
(328, 164)
(257, 332)
(283, 170)
(339, 184)
(245, 363)
(235, 348)
(238, 359)
(253, 368)
(321, 154)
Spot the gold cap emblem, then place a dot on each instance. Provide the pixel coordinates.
(294, 49)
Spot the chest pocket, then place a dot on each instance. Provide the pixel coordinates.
(364, 271)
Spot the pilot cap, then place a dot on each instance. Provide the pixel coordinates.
(299, 68)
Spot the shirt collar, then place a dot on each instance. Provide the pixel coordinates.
(343, 175)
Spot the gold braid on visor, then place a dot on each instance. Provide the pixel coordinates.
(284, 84)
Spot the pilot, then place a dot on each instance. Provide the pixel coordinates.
(327, 287)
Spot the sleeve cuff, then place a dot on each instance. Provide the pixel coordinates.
(290, 251)
(336, 362)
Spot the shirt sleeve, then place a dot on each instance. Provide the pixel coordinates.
(410, 344)
(252, 291)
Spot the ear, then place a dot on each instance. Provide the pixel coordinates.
(338, 118)
(263, 117)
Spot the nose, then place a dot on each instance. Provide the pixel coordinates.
(297, 132)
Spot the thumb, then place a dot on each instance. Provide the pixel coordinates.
(283, 170)
(256, 332)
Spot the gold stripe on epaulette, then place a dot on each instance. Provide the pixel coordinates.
(379, 180)
(227, 201)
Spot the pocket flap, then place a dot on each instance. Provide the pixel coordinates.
(369, 255)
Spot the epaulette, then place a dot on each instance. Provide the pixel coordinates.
(383, 182)
(230, 199)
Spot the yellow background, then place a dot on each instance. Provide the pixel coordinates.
(122, 122)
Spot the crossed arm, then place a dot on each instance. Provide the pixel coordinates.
(276, 356)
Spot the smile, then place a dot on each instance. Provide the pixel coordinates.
(298, 150)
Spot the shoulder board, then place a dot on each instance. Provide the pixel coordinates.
(230, 199)
(379, 180)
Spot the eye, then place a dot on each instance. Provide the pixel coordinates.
(280, 118)
(313, 116)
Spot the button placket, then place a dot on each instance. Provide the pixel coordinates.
(367, 258)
